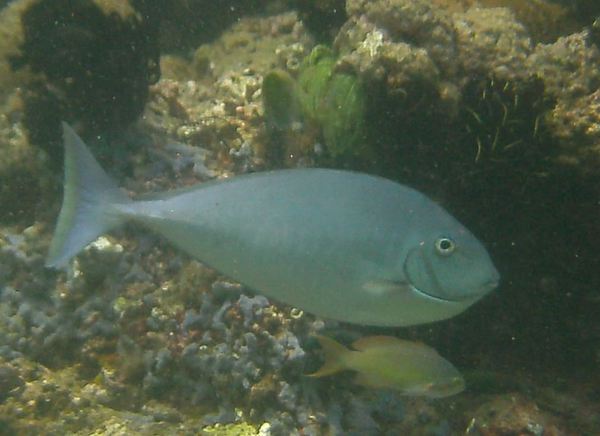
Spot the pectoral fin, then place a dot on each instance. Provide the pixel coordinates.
(381, 288)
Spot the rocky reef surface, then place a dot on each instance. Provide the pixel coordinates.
(465, 102)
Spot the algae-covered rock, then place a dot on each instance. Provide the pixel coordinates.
(11, 36)
(430, 56)
(254, 44)
(493, 41)
(419, 22)
(407, 55)
(570, 70)
(545, 20)
(26, 182)
(376, 53)
(242, 429)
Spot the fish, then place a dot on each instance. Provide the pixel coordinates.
(412, 368)
(338, 244)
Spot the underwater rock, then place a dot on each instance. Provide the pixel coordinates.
(545, 20)
(407, 55)
(64, 401)
(221, 109)
(254, 44)
(11, 37)
(414, 42)
(493, 42)
(98, 259)
(569, 66)
(577, 127)
(376, 54)
(417, 22)
(10, 380)
(428, 75)
(570, 69)
(26, 181)
(84, 76)
(513, 414)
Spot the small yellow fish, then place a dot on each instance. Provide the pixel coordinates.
(388, 362)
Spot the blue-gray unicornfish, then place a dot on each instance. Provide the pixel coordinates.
(338, 244)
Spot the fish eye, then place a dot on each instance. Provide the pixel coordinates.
(444, 246)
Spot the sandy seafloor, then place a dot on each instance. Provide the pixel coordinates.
(493, 112)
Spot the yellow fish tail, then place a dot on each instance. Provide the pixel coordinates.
(334, 357)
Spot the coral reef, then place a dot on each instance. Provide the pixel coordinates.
(466, 104)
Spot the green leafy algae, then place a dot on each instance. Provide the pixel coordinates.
(337, 101)
(280, 97)
(322, 96)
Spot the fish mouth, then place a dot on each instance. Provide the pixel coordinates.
(482, 290)
(429, 296)
(417, 251)
(436, 289)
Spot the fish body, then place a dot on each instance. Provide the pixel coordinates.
(387, 362)
(338, 244)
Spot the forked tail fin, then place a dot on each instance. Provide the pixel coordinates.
(88, 199)
(334, 354)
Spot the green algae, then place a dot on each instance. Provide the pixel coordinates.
(280, 98)
(333, 101)
(240, 429)
(337, 101)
